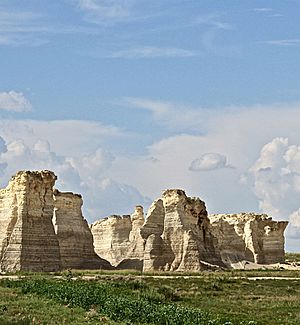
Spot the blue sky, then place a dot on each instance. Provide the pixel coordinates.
(123, 99)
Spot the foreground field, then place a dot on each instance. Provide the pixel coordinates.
(124, 298)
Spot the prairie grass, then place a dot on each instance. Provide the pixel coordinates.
(214, 298)
(130, 297)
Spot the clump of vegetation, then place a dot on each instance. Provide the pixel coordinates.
(292, 257)
(231, 298)
(120, 301)
(17, 308)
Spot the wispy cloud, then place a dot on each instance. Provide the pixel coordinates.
(267, 11)
(263, 9)
(212, 20)
(152, 52)
(19, 28)
(107, 13)
(14, 101)
(99, 9)
(170, 115)
(284, 42)
(213, 25)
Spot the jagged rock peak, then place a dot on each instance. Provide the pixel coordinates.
(45, 175)
(243, 216)
(56, 192)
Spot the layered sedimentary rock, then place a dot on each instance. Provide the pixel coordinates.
(42, 229)
(117, 238)
(248, 237)
(73, 233)
(176, 234)
(111, 237)
(28, 239)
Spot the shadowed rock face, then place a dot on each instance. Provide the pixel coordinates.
(28, 240)
(73, 234)
(181, 240)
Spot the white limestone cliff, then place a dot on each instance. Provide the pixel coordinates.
(28, 238)
(178, 235)
(249, 237)
(117, 238)
(42, 229)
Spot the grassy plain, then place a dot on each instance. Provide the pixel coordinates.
(130, 297)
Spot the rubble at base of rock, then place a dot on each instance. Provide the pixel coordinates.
(42, 229)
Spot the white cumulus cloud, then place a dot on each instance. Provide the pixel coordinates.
(14, 101)
(277, 181)
(85, 174)
(209, 161)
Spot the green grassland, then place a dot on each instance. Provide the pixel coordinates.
(131, 297)
(125, 298)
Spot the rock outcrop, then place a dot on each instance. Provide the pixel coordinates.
(181, 241)
(28, 238)
(248, 237)
(117, 239)
(42, 229)
(73, 233)
(174, 236)
(111, 237)
(178, 235)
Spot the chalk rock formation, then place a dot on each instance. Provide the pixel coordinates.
(111, 237)
(117, 238)
(28, 240)
(73, 233)
(27, 237)
(176, 234)
(42, 229)
(248, 237)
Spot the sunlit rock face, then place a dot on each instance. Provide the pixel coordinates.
(249, 237)
(178, 235)
(42, 229)
(117, 239)
(28, 238)
(174, 236)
